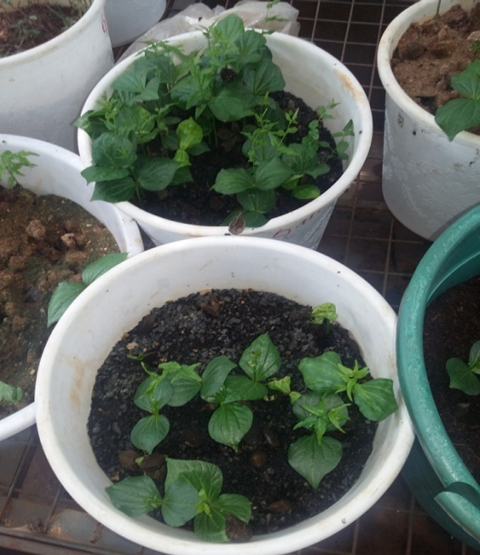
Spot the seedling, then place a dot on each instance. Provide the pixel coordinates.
(464, 376)
(10, 393)
(169, 107)
(11, 164)
(321, 407)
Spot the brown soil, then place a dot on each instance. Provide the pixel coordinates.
(196, 329)
(30, 26)
(429, 54)
(43, 240)
(452, 325)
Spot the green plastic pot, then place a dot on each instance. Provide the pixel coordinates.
(434, 471)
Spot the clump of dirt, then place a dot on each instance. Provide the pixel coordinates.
(31, 25)
(430, 53)
(43, 241)
(195, 329)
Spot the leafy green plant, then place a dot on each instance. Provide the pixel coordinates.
(464, 375)
(11, 164)
(67, 291)
(462, 113)
(10, 393)
(169, 107)
(321, 406)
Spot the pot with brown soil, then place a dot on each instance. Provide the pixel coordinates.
(224, 290)
(49, 232)
(52, 53)
(438, 322)
(429, 180)
(218, 132)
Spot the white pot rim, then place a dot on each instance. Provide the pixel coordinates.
(58, 41)
(419, 12)
(310, 531)
(348, 176)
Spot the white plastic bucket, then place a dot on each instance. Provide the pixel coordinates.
(310, 73)
(117, 301)
(428, 181)
(57, 172)
(42, 90)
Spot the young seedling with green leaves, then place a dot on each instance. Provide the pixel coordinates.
(464, 375)
(169, 107)
(321, 407)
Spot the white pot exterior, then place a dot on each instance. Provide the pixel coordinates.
(116, 302)
(128, 19)
(428, 181)
(310, 73)
(42, 90)
(57, 172)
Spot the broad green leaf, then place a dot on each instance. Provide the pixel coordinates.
(229, 423)
(211, 528)
(324, 311)
(314, 403)
(10, 393)
(322, 373)
(228, 29)
(283, 385)
(233, 504)
(182, 158)
(99, 173)
(101, 266)
(261, 359)
(375, 398)
(306, 192)
(461, 377)
(233, 181)
(189, 134)
(226, 106)
(256, 201)
(203, 476)
(254, 219)
(314, 461)
(135, 496)
(179, 503)
(214, 376)
(474, 358)
(135, 118)
(153, 393)
(132, 79)
(241, 388)
(149, 431)
(186, 384)
(271, 174)
(63, 296)
(251, 47)
(264, 78)
(113, 151)
(460, 114)
(117, 190)
(467, 83)
(155, 174)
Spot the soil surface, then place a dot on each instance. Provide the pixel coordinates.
(196, 329)
(43, 240)
(198, 204)
(452, 326)
(429, 54)
(32, 25)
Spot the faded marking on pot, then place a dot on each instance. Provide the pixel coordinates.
(352, 86)
(284, 232)
(76, 391)
(458, 166)
(400, 119)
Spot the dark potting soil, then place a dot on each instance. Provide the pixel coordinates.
(452, 326)
(198, 204)
(198, 328)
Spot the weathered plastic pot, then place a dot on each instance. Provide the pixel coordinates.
(435, 472)
(117, 301)
(42, 90)
(428, 181)
(57, 171)
(128, 19)
(310, 73)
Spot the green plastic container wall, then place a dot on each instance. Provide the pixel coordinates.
(434, 471)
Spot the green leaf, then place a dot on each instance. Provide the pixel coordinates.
(227, 106)
(271, 174)
(461, 377)
(256, 201)
(149, 431)
(306, 192)
(117, 190)
(324, 311)
(322, 373)
(155, 174)
(101, 266)
(313, 461)
(375, 398)
(229, 423)
(186, 384)
(254, 219)
(10, 393)
(214, 376)
(265, 78)
(317, 404)
(261, 359)
(241, 388)
(459, 114)
(63, 296)
(211, 528)
(228, 29)
(179, 503)
(474, 358)
(135, 496)
(113, 151)
(233, 504)
(234, 180)
(467, 83)
(135, 119)
(251, 47)
(283, 385)
(189, 134)
(153, 393)
(203, 476)
(99, 173)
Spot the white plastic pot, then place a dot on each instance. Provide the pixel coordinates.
(128, 19)
(310, 73)
(117, 301)
(42, 90)
(57, 171)
(428, 181)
